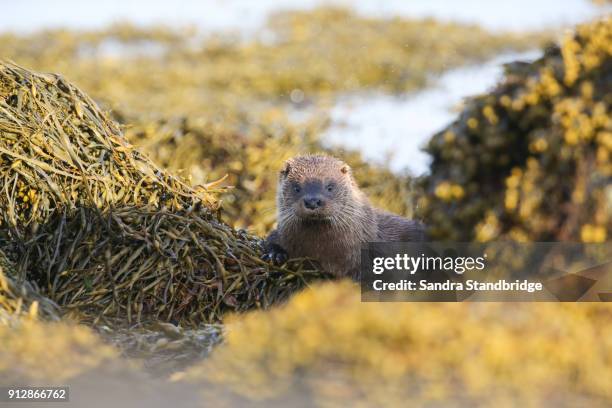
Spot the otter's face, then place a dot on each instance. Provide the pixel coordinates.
(314, 188)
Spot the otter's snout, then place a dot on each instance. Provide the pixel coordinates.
(313, 202)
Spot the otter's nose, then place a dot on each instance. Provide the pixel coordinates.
(313, 202)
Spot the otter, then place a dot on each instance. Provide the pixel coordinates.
(322, 214)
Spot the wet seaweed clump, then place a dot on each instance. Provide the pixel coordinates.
(104, 232)
(21, 298)
(532, 160)
(59, 152)
(326, 347)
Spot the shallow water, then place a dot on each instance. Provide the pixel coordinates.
(248, 15)
(391, 130)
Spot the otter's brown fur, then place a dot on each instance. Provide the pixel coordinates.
(322, 214)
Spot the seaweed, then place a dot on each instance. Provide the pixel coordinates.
(531, 160)
(104, 231)
(328, 348)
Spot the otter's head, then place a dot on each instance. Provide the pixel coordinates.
(314, 188)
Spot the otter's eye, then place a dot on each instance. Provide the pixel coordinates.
(330, 187)
(297, 189)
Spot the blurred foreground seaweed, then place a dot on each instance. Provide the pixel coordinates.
(104, 231)
(66, 349)
(532, 160)
(327, 348)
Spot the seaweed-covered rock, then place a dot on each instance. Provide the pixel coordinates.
(102, 230)
(59, 151)
(532, 160)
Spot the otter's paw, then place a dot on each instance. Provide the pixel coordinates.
(276, 254)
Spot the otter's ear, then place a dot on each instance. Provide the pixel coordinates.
(286, 169)
(345, 169)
